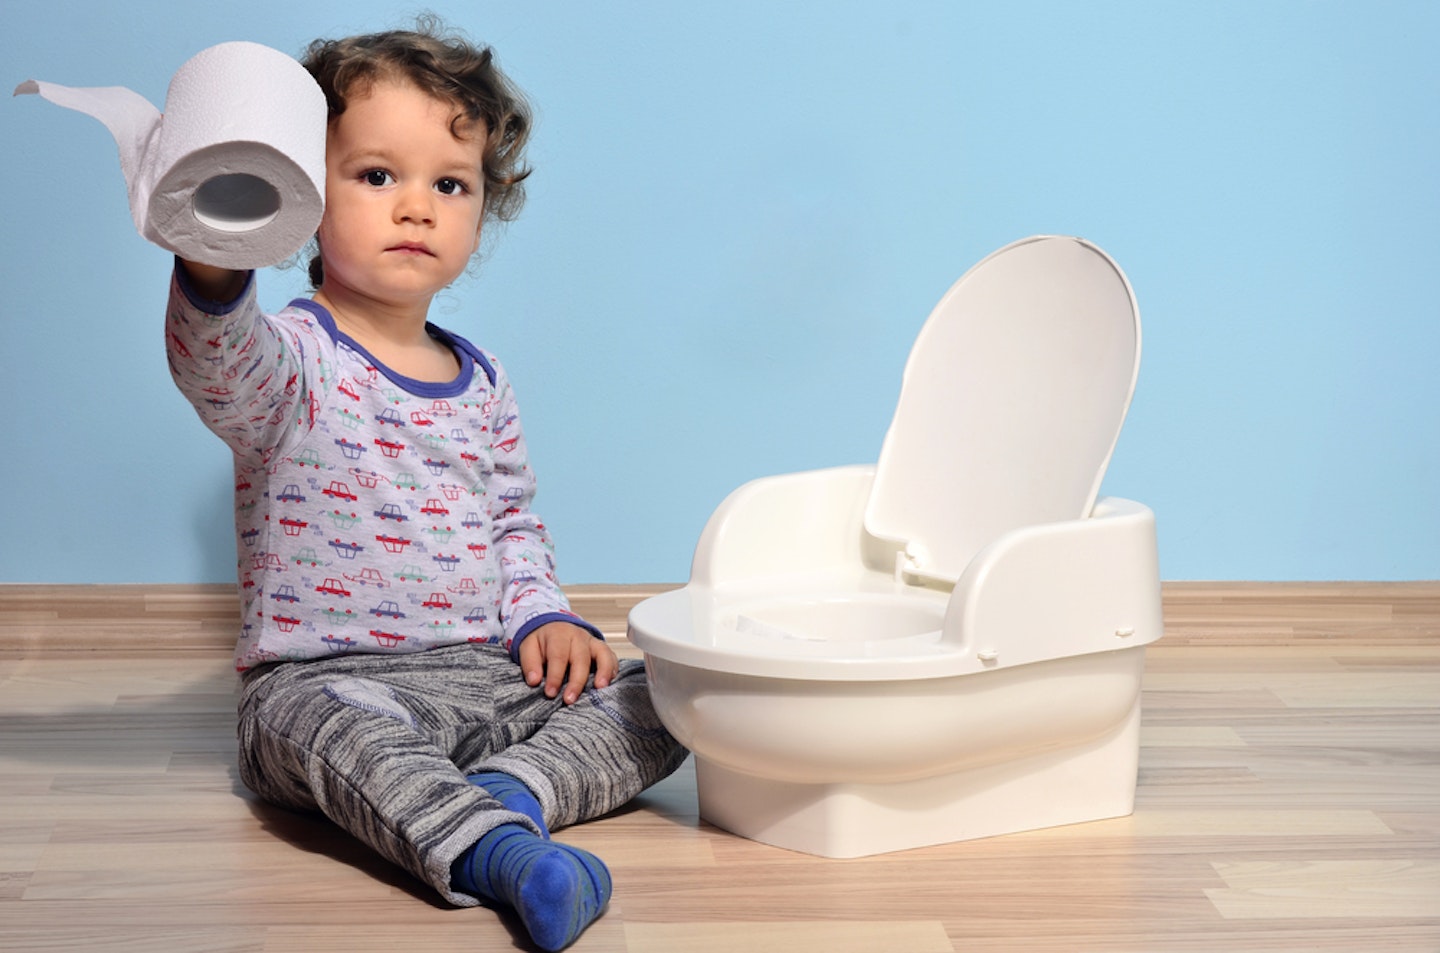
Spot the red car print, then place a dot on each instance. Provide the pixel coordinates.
(368, 577)
(292, 527)
(393, 544)
(339, 491)
(387, 639)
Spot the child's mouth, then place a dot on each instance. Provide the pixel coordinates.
(411, 248)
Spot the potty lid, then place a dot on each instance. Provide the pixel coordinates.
(1011, 403)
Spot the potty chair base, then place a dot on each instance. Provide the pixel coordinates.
(1091, 782)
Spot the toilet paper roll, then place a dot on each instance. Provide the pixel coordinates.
(233, 173)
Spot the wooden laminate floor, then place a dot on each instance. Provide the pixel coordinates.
(1289, 800)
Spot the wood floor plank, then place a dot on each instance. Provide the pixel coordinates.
(884, 936)
(1328, 889)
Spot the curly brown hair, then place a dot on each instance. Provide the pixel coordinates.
(452, 69)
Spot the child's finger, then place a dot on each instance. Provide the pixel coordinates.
(580, 656)
(557, 660)
(607, 666)
(532, 661)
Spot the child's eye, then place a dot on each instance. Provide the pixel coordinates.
(378, 178)
(451, 187)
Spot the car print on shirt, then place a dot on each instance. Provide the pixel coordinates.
(338, 646)
(339, 616)
(351, 451)
(411, 573)
(387, 609)
(453, 491)
(393, 544)
(339, 490)
(346, 550)
(291, 526)
(387, 640)
(369, 576)
(391, 511)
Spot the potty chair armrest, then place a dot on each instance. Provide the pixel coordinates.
(1060, 589)
(782, 525)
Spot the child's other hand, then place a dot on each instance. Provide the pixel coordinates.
(551, 650)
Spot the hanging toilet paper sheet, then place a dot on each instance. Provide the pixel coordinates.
(233, 173)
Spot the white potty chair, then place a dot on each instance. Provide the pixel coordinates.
(948, 644)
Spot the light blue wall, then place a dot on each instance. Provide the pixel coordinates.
(742, 213)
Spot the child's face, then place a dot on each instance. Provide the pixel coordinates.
(404, 197)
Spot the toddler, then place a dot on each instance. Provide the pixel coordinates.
(410, 666)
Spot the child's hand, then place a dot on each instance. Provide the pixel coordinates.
(215, 283)
(547, 652)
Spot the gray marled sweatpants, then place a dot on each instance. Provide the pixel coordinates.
(381, 744)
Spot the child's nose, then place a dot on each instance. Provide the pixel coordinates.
(414, 203)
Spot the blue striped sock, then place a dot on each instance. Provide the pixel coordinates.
(557, 890)
(511, 792)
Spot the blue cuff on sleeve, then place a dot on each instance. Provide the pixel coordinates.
(545, 619)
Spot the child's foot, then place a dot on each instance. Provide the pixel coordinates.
(556, 889)
(511, 792)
